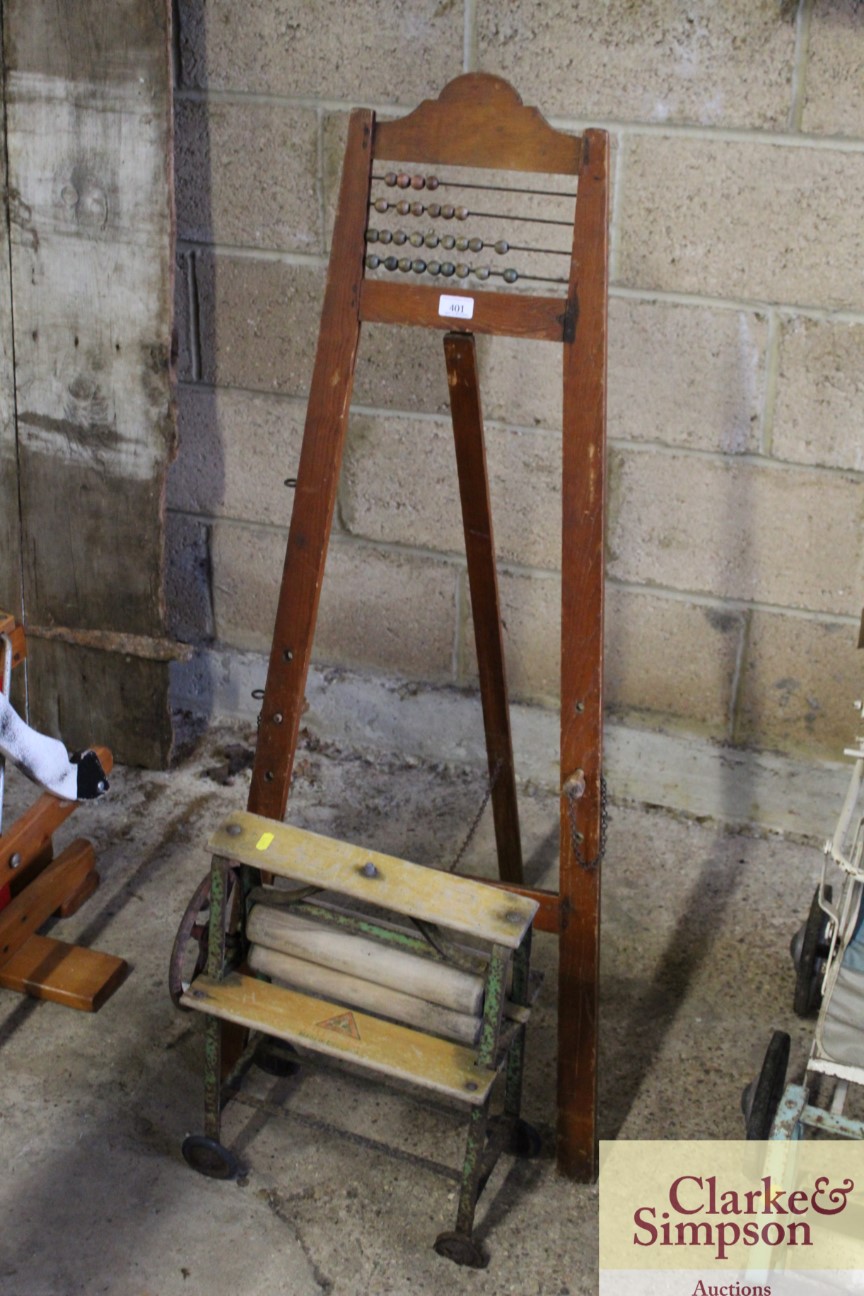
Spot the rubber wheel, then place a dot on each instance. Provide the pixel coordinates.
(762, 1098)
(276, 1060)
(209, 1157)
(810, 947)
(525, 1141)
(462, 1250)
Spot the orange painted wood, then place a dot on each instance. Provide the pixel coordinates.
(73, 902)
(70, 975)
(27, 911)
(478, 120)
(582, 668)
(461, 358)
(507, 314)
(30, 835)
(14, 631)
(317, 479)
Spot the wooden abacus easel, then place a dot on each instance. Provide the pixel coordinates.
(479, 122)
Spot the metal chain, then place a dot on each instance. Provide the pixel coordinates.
(577, 837)
(475, 823)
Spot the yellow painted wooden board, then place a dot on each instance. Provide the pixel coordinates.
(66, 974)
(340, 1032)
(425, 893)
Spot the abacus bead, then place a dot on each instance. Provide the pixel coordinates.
(390, 178)
(418, 182)
(462, 243)
(400, 237)
(405, 264)
(434, 267)
(448, 212)
(431, 239)
(434, 210)
(372, 236)
(382, 205)
(415, 239)
(475, 244)
(391, 263)
(418, 266)
(462, 213)
(448, 241)
(447, 269)
(385, 236)
(432, 182)
(403, 207)
(417, 209)
(373, 262)
(403, 180)
(510, 276)
(502, 246)
(482, 272)
(462, 270)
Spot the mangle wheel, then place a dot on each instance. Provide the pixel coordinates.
(194, 931)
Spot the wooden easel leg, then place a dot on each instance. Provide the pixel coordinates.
(317, 482)
(460, 354)
(582, 571)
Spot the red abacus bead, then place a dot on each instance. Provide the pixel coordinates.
(418, 182)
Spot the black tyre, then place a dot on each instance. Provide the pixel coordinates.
(762, 1098)
(276, 1059)
(525, 1142)
(209, 1157)
(810, 947)
(462, 1250)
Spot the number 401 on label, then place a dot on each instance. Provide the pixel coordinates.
(456, 307)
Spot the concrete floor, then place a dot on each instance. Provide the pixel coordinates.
(97, 1198)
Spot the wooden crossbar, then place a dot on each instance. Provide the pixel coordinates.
(341, 1032)
(372, 878)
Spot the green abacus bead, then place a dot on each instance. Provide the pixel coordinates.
(372, 236)
(448, 242)
(434, 267)
(382, 205)
(502, 246)
(385, 236)
(403, 207)
(462, 243)
(418, 266)
(482, 272)
(405, 264)
(431, 239)
(391, 263)
(415, 239)
(510, 276)
(462, 270)
(475, 244)
(373, 262)
(400, 237)
(462, 213)
(448, 212)
(447, 269)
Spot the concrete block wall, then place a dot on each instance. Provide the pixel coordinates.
(736, 377)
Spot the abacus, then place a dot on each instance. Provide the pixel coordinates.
(421, 240)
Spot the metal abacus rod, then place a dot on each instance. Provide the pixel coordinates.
(449, 268)
(403, 180)
(448, 212)
(450, 242)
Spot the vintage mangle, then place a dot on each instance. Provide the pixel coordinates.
(416, 243)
